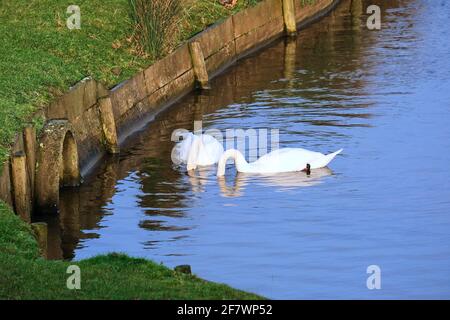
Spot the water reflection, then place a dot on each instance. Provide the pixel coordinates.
(280, 182)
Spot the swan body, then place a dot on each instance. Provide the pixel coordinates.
(280, 160)
(198, 150)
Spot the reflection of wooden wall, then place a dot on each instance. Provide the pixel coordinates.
(305, 9)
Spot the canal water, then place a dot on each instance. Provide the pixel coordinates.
(382, 95)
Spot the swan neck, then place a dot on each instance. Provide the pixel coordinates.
(237, 157)
(193, 152)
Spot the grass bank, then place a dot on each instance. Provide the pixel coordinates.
(40, 58)
(24, 275)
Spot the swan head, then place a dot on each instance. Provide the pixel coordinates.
(191, 166)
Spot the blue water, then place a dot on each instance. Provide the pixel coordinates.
(383, 96)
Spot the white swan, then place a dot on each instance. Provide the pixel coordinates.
(280, 160)
(197, 150)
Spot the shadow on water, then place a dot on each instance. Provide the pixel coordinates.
(292, 235)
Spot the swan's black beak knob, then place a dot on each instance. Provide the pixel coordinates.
(308, 169)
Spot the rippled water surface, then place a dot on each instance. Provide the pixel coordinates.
(383, 96)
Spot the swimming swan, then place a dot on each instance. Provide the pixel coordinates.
(280, 160)
(197, 150)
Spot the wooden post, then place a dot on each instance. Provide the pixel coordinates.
(289, 17)
(41, 233)
(5, 184)
(22, 195)
(198, 62)
(29, 139)
(108, 124)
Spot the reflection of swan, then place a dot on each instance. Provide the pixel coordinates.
(236, 189)
(197, 150)
(281, 160)
(282, 181)
(199, 178)
(296, 179)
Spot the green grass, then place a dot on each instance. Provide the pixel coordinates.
(155, 21)
(24, 275)
(203, 13)
(40, 58)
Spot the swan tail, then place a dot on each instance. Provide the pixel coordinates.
(325, 160)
